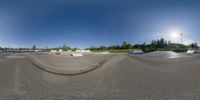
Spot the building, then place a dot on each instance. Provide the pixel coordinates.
(60, 50)
(83, 51)
(53, 51)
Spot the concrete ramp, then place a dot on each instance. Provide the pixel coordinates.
(135, 52)
(76, 54)
(164, 54)
(17, 55)
(68, 66)
(1, 51)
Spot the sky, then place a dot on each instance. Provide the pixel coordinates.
(85, 23)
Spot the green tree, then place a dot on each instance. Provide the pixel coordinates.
(144, 46)
(34, 47)
(126, 45)
(194, 45)
(103, 48)
(64, 47)
(153, 44)
(92, 48)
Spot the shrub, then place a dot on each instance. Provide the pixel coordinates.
(180, 50)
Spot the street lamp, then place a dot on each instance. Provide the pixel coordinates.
(181, 35)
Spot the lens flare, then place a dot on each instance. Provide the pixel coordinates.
(174, 35)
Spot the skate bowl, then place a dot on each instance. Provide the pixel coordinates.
(68, 66)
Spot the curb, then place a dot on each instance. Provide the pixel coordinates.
(51, 69)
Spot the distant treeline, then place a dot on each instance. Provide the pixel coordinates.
(34, 47)
(159, 44)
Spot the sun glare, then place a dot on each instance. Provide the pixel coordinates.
(174, 35)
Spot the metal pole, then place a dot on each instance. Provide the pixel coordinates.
(181, 38)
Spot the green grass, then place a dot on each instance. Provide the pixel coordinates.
(113, 51)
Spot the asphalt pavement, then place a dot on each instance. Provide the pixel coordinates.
(123, 77)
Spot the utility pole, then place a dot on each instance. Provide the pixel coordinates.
(181, 34)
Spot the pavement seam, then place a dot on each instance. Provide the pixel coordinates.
(16, 81)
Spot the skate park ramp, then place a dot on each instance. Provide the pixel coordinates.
(164, 54)
(1, 51)
(68, 66)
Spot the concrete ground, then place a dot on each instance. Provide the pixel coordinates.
(123, 77)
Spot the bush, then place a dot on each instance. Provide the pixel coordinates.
(180, 50)
(148, 50)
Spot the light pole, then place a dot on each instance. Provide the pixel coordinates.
(181, 34)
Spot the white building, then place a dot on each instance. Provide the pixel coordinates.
(78, 51)
(83, 51)
(53, 51)
(60, 50)
(102, 53)
(69, 50)
(37, 50)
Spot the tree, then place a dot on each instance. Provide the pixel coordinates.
(74, 49)
(144, 46)
(194, 45)
(46, 47)
(64, 47)
(137, 46)
(34, 47)
(92, 48)
(153, 44)
(103, 48)
(160, 43)
(126, 45)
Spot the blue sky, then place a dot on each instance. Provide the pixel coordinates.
(85, 23)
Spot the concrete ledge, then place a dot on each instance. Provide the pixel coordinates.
(53, 69)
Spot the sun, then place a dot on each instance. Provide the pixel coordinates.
(174, 35)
